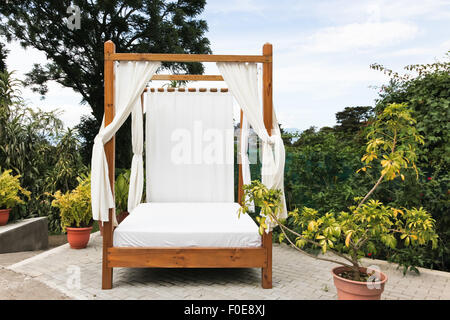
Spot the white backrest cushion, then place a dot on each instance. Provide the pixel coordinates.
(189, 147)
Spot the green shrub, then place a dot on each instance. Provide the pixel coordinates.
(35, 145)
(9, 190)
(121, 189)
(75, 206)
(426, 90)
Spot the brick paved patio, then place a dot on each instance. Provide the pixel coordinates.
(295, 276)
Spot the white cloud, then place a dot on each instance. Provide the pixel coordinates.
(357, 36)
(234, 6)
(345, 11)
(69, 114)
(303, 77)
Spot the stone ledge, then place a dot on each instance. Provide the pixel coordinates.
(25, 235)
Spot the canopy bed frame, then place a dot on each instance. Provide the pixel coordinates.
(183, 257)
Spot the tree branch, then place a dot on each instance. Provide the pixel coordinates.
(308, 240)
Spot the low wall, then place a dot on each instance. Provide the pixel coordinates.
(26, 235)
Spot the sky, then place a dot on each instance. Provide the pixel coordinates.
(322, 51)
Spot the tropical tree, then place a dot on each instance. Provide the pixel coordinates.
(76, 54)
(351, 119)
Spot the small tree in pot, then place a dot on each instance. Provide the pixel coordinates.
(76, 213)
(353, 234)
(9, 194)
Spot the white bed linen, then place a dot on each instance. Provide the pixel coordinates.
(187, 225)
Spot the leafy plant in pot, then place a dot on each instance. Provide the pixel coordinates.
(76, 213)
(353, 234)
(121, 188)
(9, 194)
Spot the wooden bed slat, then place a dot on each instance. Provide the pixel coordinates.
(170, 89)
(187, 257)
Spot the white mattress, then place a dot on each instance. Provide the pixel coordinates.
(187, 225)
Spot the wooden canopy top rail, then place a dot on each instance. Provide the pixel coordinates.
(183, 256)
(175, 57)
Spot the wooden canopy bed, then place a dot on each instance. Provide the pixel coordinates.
(180, 256)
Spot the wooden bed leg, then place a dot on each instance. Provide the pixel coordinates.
(266, 272)
(107, 277)
(107, 272)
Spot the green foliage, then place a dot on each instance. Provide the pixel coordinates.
(393, 140)
(359, 230)
(426, 90)
(36, 146)
(350, 120)
(67, 163)
(175, 84)
(427, 93)
(321, 165)
(121, 188)
(9, 190)
(9, 93)
(319, 171)
(3, 55)
(267, 200)
(75, 206)
(76, 56)
(355, 233)
(349, 234)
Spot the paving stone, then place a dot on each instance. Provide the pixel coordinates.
(295, 276)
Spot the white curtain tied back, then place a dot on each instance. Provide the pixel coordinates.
(130, 81)
(242, 79)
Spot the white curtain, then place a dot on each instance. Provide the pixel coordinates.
(242, 79)
(189, 147)
(137, 165)
(131, 77)
(245, 162)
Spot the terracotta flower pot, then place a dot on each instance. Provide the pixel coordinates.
(358, 290)
(4, 216)
(78, 238)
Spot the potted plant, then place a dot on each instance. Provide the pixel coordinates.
(121, 193)
(76, 213)
(9, 194)
(355, 233)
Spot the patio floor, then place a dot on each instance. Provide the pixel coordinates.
(77, 274)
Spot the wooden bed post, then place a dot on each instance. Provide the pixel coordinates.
(267, 115)
(240, 177)
(107, 272)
